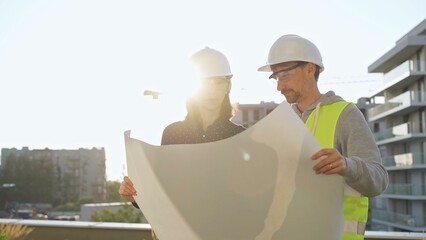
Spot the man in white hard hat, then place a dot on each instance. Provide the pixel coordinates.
(348, 145)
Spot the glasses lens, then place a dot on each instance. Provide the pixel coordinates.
(285, 72)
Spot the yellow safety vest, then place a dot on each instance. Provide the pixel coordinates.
(355, 206)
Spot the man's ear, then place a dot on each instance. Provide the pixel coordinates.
(311, 68)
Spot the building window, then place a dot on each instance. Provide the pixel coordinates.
(424, 208)
(418, 61)
(376, 127)
(268, 111)
(379, 202)
(245, 115)
(256, 115)
(406, 118)
(421, 121)
(421, 90)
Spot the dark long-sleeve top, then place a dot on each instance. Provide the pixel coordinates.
(190, 131)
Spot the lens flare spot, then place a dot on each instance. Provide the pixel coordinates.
(246, 156)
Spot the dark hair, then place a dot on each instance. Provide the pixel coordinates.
(317, 72)
(226, 109)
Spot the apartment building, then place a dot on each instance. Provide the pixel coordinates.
(249, 114)
(399, 126)
(77, 173)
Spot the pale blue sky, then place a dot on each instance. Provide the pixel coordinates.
(72, 73)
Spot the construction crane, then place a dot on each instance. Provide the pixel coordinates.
(153, 94)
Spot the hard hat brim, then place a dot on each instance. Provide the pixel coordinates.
(265, 68)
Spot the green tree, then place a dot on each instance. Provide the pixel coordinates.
(67, 207)
(73, 206)
(112, 194)
(126, 214)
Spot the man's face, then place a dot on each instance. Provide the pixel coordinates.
(212, 91)
(290, 79)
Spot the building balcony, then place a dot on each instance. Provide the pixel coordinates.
(401, 133)
(404, 71)
(61, 230)
(404, 48)
(402, 104)
(407, 222)
(405, 161)
(401, 76)
(406, 191)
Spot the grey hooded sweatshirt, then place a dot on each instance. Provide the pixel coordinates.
(354, 140)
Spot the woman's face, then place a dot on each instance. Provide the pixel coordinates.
(212, 91)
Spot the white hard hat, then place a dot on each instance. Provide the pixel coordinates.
(211, 63)
(289, 48)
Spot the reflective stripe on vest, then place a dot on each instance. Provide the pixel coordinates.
(355, 206)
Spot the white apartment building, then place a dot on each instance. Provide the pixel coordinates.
(399, 127)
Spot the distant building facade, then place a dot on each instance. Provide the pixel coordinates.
(249, 114)
(399, 127)
(77, 173)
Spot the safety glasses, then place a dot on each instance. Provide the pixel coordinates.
(285, 72)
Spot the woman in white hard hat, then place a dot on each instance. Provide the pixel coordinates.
(209, 111)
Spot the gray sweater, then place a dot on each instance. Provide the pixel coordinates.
(354, 140)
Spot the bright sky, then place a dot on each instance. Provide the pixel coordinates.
(72, 73)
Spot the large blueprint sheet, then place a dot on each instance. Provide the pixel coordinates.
(258, 185)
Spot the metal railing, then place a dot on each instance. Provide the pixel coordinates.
(405, 160)
(65, 230)
(406, 189)
(398, 73)
(399, 130)
(411, 221)
(404, 70)
(405, 99)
